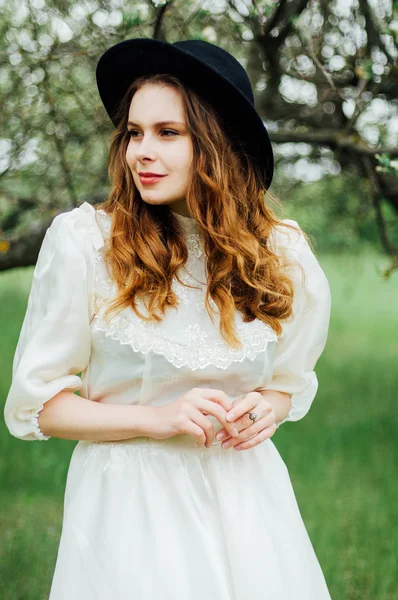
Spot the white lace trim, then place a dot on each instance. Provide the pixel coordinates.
(178, 338)
(197, 355)
(182, 342)
(37, 432)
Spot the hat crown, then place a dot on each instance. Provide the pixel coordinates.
(221, 61)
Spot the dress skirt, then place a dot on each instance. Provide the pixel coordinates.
(149, 519)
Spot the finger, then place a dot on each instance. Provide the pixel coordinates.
(217, 396)
(241, 424)
(250, 431)
(197, 432)
(246, 404)
(246, 426)
(217, 411)
(257, 439)
(205, 425)
(229, 442)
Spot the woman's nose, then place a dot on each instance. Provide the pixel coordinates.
(145, 149)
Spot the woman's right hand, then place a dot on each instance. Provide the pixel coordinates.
(187, 415)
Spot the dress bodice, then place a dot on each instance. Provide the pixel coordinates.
(67, 343)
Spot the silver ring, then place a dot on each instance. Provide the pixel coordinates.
(252, 416)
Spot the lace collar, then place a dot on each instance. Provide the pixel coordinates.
(183, 338)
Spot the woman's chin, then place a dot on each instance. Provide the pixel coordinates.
(151, 199)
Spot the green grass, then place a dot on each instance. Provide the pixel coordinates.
(341, 457)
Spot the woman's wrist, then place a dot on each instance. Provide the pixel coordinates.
(143, 420)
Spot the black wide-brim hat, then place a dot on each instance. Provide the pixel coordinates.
(206, 68)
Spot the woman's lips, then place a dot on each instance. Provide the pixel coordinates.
(147, 180)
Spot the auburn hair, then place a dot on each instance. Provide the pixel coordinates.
(226, 197)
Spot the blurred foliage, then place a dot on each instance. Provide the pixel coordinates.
(324, 76)
(336, 212)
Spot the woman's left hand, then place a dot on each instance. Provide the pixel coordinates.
(250, 433)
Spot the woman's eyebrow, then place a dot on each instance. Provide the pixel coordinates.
(160, 123)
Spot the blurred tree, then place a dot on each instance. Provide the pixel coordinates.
(324, 75)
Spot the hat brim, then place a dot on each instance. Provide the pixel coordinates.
(121, 64)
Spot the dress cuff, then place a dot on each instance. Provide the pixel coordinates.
(37, 432)
(301, 401)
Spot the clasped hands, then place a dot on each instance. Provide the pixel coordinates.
(249, 433)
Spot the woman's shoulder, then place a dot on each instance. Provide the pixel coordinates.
(85, 224)
(287, 235)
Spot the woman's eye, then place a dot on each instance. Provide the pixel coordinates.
(132, 132)
(170, 131)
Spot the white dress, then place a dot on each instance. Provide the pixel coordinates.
(148, 519)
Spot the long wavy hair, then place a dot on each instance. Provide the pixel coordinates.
(226, 197)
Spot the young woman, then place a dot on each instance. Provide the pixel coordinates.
(180, 308)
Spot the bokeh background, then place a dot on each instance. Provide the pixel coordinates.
(325, 79)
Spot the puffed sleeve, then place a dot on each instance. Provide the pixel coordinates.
(55, 341)
(304, 337)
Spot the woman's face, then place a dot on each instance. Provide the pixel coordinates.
(159, 143)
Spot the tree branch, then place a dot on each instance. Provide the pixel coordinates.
(377, 196)
(372, 32)
(22, 250)
(157, 34)
(277, 17)
(335, 139)
(316, 59)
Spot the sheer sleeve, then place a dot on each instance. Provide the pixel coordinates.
(304, 337)
(55, 339)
